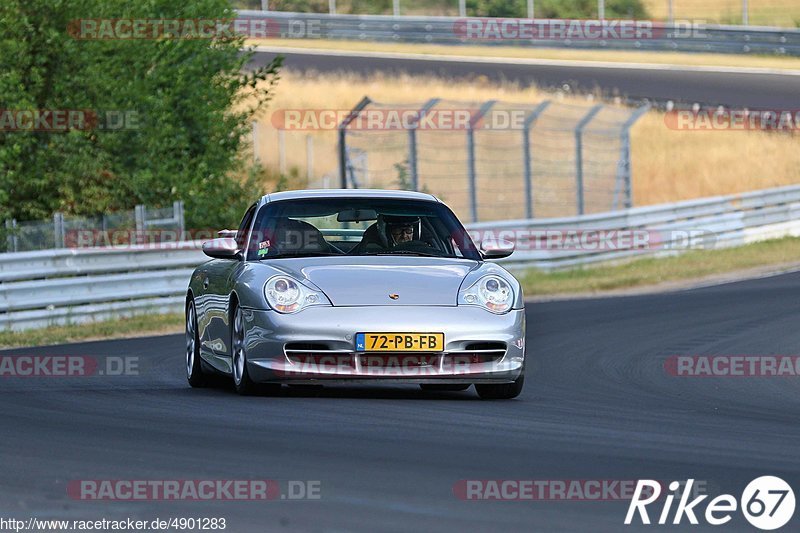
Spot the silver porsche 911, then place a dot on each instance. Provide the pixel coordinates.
(332, 286)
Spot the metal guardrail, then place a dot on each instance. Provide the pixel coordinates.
(451, 30)
(51, 287)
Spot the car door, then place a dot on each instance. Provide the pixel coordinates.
(220, 278)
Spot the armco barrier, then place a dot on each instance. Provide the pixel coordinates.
(452, 30)
(79, 285)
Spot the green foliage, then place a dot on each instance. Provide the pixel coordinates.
(189, 103)
(556, 9)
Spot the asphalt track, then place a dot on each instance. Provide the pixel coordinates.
(598, 405)
(733, 89)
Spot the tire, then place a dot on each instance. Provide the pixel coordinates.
(444, 387)
(241, 377)
(242, 382)
(194, 365)
(503, 391)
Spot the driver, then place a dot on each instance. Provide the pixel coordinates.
(399, 229)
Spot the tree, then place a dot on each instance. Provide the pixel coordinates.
(186, 105)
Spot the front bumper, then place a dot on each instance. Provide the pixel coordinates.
(267, 333)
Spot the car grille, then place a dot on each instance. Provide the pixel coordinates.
(322, 354)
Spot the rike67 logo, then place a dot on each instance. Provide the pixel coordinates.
(767, 503)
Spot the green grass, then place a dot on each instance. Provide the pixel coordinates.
(108, 329)
(693, 265)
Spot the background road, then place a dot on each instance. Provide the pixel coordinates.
(755, 91)
(598, 405)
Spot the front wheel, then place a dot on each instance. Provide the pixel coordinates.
(503, 391)
(241, 377)
(194, 369)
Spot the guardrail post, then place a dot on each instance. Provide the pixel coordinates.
(579, 155)
(473, 178)
(58, 230)
(624, 178)
(343, 140)
(412, 143)
(745, 13)
(12, 243)
(526, 154)
(530, 9)
(139, 215)
(177, 213)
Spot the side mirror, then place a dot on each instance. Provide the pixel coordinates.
(222, 248)
(496, 248)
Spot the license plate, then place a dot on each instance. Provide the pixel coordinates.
(400, 342)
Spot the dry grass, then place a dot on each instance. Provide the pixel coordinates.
(135, 326)
(668, 165)
(518, 52)
(695, 265)
(761, 12)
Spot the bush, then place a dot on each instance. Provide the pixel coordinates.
(187, 97)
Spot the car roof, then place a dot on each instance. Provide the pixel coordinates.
(348, 193)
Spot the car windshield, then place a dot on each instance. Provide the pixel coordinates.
(358, 227)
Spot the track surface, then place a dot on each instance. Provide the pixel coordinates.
(755, 91)
(598, 405)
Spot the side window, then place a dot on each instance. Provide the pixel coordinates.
(247, 220)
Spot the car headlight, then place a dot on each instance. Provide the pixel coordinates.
(493, 293)
(287, 295)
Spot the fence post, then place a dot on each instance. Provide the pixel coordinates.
(745, 13)
(58, 230)
(309, 159)
(526, 153)
(332, 7)
(601, 9)
(282, 151)
(255, 142)
(264, 5)
(462, 8)
(530, 9)
(139, 215)
(624, 178)
(473, 178)
(343, 140)
(412, 143)
(579, 154)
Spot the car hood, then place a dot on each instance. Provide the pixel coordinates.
(364, 281)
